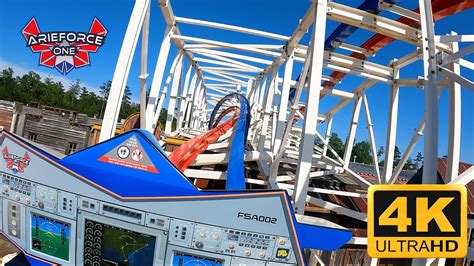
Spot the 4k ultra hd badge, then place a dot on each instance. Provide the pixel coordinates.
(417, 221)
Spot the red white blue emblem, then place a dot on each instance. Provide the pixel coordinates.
(14, 162)
(66, 50)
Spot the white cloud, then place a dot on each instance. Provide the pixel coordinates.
(20, 71)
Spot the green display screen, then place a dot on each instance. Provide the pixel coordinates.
(50, 237)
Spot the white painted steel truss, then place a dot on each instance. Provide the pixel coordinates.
(203, 71)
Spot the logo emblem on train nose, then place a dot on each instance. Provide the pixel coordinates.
(64, 50)
(14, 162)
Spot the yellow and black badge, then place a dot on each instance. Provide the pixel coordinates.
(417, 221)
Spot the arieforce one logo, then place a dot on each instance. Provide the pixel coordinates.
(14, 162)
(64, 50)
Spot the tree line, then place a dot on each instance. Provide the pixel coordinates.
(31, 88)
(361, 153)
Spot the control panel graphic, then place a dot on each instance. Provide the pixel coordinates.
(188, 260)
(81, 210)
(50, 237)
(109, 245)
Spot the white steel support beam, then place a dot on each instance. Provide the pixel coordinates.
(363, 19)
(230, 55)
(192, 108)
(232, 28)
(373, 146)
(312, 107)
(249, 89)
(229, 69)
(237, 88)
(177, 76)
(182, 99)
(464, 178)
(143, 68)
(289, 125)
(360, 89)
(154, 95)
(391, 127)
(233, 62)
(153, 118)
(430, 166)
(285, 93)
(454, 128)
(119, 81)
(189, 98)
(399, 10)
(267, 110)
(328, 133)
(454, 38)
(226, 45)
(456, 78)
(225, 64)
(416, 135)
(458, 54)
(352, 130)
(352, 48)
(274, 125)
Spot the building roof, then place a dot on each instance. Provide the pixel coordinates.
(442, 179)
(368, 172)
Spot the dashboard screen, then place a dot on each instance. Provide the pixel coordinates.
(109, 245)
(50, 237)
(180, 259)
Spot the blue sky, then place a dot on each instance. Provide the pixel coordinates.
(280, 16)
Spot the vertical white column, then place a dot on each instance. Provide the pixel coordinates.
(267, 108)
(143, 68)
(249, 88)
(189, 99)
(454, 129)
(414, 139)
(119, 81)
(430, 167)
(274, 125)
(197, 108)
(328, 133)
(164, 92)
(157, 79)
(391, 128)
(373, 146)
(282, 110)
(177, 75)
(352, 129)
(312, 107)
(182, 99)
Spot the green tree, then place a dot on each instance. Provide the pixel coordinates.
(361, 152)
(396, 156)
(380, 153)
(410, 165)
(162, 117)
(419, 160)
(8, 85)
(104, 89)
(30, 87)
(73, 93)
(53, 93)
(336, 143)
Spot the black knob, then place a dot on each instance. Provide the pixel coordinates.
(199, 244)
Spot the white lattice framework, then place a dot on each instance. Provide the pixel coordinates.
(216, 68)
